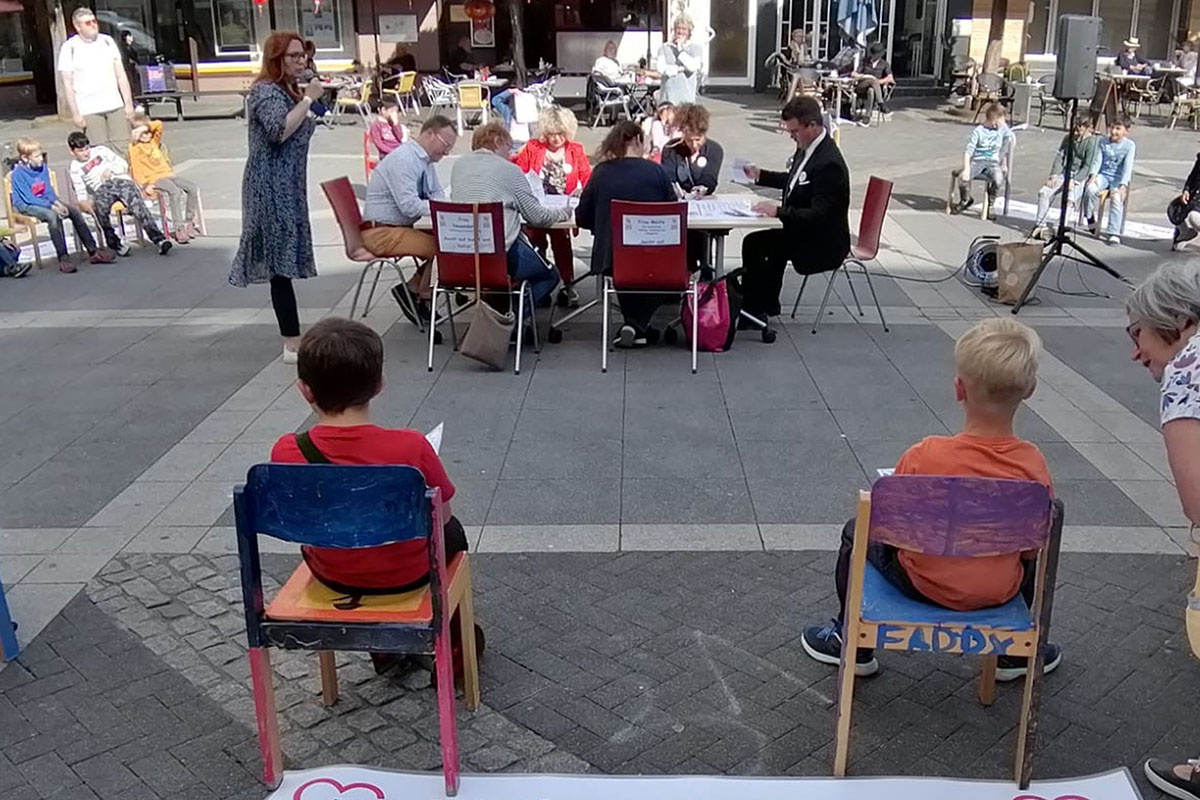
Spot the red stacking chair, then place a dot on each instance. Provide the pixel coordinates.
(369, 161)
(456, 264)
(345, 210)
(870, 227)
(649, 256)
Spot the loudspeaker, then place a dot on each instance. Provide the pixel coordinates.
(1076, 46)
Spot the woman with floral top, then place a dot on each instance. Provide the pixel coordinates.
(1164, 316)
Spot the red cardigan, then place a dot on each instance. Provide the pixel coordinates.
(532, 157)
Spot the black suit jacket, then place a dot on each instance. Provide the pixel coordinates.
(815, 213)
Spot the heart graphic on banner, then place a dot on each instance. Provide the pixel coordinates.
(329, 789)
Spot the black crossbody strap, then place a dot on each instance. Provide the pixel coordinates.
(310, 451)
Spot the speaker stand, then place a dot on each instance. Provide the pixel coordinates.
(1063, 241)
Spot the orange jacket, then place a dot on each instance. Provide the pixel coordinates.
(148, 161)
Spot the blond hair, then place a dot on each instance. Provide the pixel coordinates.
(557, 119)
(998, 357)
(140, 120)
(493, 136)
(28, 147)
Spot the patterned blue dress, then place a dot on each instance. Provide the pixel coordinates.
(276, 233)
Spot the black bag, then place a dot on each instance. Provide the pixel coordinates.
(733, 282)
(1177, 211)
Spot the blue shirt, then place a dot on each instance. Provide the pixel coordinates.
(32, 187)
(986, 144)
(1116, 161)
(402, 186)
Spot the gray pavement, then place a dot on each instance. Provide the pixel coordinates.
(135, 395)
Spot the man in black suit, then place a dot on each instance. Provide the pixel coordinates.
(815, 212)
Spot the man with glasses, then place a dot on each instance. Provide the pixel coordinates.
(95, 85)
(815, 235)
(398, 195)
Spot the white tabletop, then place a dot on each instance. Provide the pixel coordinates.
(708, 222)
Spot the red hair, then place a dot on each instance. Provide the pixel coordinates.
(273, 52)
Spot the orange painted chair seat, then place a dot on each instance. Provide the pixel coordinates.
(305, 599)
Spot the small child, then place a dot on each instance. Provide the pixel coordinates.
(996, 366)
(1112, 173)
(388, 131)
(152, 170)
(33, 195)
(340, 370)
(101, 174)
(984, 158)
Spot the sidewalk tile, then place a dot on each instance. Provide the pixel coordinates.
(678, 538)
(549, 539)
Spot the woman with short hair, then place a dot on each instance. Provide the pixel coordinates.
(561, 164)
(693, 163)
(1164, 320)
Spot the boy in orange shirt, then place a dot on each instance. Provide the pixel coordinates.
(152, 171)
(996, 365)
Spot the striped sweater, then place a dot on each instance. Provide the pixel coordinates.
(487, 177)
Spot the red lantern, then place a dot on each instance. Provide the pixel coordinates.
(479, 9)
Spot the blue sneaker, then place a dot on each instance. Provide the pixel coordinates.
(1010, 668)
(824, 643)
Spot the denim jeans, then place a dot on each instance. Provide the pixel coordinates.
(1047, 194)
(525, 264)
(1116, 203)
(503, 107)
(55, 223)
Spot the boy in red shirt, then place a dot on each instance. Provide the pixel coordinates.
(340, 368)
(996, 364)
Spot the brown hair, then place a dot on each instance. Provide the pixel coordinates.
(341, 362)
(691, 117)
(492, 136)
(616, 143)
(273, 51)
(993, 112)
(437, 123)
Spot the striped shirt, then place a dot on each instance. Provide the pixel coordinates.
(402, 186)
(483, 176)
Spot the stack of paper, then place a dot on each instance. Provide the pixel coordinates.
(718, 207)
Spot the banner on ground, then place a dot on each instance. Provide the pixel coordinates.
(360, 783)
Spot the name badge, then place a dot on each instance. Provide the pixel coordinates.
(567, 168)
(701, 162)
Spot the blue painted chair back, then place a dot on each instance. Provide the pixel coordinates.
(957, 516)
(327, 505)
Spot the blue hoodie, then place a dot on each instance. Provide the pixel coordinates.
(32, 187)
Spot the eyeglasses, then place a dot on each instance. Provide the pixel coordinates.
(1133, 329)
(91, 21)
(449, 145)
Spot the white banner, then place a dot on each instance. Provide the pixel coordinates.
(359, 783)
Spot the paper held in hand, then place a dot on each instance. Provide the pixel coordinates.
(739, 172)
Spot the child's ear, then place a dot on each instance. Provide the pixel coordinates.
(1032, 389)
(960, 389)
(305, 392)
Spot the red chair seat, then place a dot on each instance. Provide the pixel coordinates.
(305, 599)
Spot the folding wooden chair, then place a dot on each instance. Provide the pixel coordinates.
(9, 650)
(870, 228)
(457, 246)
(649, 255)
(324, 505)
(341, 198)
(952, 516)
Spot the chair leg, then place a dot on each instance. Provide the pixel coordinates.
(799, 294)
(824, 302)
(466, 623)
(264, 713)
(841, 752)
(853, 293)
(875, 297)
(537, 340)
(433, 327)
(374, 285)
(1027, 732)
(987, 681)
(362, 276)
(520, 326)
(444, 666)
(695, 291)
(329, 687)
(604, 330)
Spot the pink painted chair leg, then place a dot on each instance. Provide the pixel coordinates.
(264, 712)
(444, 664)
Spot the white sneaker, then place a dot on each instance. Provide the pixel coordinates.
(1113, 239)
(1177, 246)
(290, 356)
(122, 250)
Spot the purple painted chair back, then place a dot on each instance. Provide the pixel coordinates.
(951, 516)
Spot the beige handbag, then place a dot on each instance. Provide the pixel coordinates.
(1015, 266)
(487, 339)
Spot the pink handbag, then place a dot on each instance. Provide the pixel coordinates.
(713, 321)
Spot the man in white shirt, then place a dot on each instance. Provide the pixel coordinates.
(101, 178)
(95, 85)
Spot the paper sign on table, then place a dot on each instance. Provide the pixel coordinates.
(454, 233)
(650, 231)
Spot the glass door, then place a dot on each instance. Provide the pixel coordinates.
(731, 51)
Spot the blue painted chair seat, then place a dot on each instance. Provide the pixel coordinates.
(883, 602)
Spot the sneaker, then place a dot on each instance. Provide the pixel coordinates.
(404, 300)
(290, 356)
(1185, 234)
(164, 247)
(190, 230)
(65, 265)
(121, 249)
(568, 298)
(16, 270)
(824, 643)
(1162, 775)
(181, 236)
(626, 337)
(1010, 668)
(1112, 239)
(1040, 232)
(101, 257)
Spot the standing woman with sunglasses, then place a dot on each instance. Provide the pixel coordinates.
(276, 245)
(1164, 319)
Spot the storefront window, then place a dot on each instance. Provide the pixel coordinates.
(12, 43)
(1155, 28)
(1118, 17)
(1039, 24)
(327, 25)
(727, 53)
(228, 28)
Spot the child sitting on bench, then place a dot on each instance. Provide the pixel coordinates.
(996, 365)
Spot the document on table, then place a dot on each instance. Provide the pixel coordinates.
(717, 207)
(559, 201)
